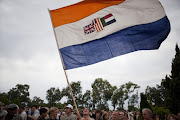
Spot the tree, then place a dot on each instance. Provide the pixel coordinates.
(87, 99)
(76, 90)
(161, 111)
(122, 94)
(37, 101)
(133, 101)
(53, 95)
(119, 96)
(20, 93)
(172, 84)
(114, 98)
(144, 102)
(155, 95)
(4, 98)
(101, 93)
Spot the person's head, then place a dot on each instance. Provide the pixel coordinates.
(21, 108)
(156, 117)
(115, 115)
(138, 113)
(63, 113)
(69, 109)
(131, 114)
(54, 111)
(12, 109)
(147, 114)
(98, 113)
(43, 112)
(121, 115)
(86, 111)
(34, 108)
(105, 116)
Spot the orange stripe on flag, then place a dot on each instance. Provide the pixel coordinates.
(79, 10)
(99, 29)
(99, 23)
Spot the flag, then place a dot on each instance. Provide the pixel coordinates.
(96, 30)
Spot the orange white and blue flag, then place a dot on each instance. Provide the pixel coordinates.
(95, 30)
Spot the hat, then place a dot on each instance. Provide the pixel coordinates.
(12, 106)
(69, 106)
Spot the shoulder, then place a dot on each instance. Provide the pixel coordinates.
(73, 117)
(64, 117)
(18, 117)
(91, 118)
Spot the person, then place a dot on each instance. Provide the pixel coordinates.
(2, 112)
(47, 116)
(173, 117)
(69, 115)
(53, 113)
(12, 111)
(43, 114)
(98, 115)
(131, 115)
(93, 114)
(122, 115)
(115, 115)
(62, 114)
(105, 116)
(86, 114)
(147, 114)
(35, 113)
(137, 115)
(156, 117)
(22, 112)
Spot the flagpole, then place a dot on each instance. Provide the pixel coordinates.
(63, 65)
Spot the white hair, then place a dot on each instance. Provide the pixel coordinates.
(148, 111)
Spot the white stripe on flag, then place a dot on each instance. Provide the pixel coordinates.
(109, 19)
(127, 14)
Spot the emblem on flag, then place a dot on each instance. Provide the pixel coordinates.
(99, 23)
(89, 28)
(107, 20)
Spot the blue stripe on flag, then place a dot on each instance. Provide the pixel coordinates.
(139, 37)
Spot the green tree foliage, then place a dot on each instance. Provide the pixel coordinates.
(119, 97)
(53, 95)
(133, 102)
(172, 84)
(161, 111)
(101, 93)
(87, 102)
(114, 98)
(76, 90)
(20, 93)
(144, 102)
(4, 98)
(155, 95)
(133, 99)
(123, 93)
(37, 101)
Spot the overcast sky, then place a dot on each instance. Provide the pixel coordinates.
(29, 54)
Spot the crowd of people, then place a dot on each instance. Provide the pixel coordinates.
(15, 112)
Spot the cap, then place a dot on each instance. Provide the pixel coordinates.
(12, 106)
(69, 106)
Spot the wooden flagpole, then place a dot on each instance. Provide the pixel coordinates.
(63, 65)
